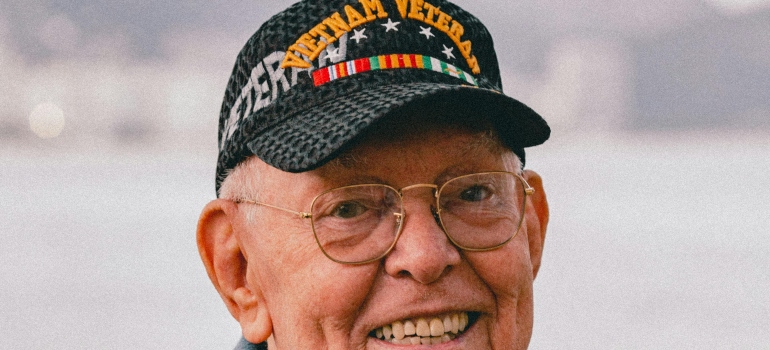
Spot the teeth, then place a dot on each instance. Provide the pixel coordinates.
(436, 327)
(409, 328)
(463, 321)
(387, 331)
(448, 323)
(398, 330)
(424, 331)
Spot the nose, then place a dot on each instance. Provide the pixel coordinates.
(423, 252)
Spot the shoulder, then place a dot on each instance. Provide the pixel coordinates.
(244, 344)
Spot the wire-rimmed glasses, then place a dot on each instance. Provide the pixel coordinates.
(359, 224)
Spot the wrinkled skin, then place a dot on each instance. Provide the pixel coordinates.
(278, 284)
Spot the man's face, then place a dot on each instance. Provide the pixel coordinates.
(315, 303)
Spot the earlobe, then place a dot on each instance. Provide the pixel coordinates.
(255, 321)
(537, 219)
(227, 268)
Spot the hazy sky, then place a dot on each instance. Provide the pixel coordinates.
(143, 24)
(129, 67)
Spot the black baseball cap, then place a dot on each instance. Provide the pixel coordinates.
(317, 75)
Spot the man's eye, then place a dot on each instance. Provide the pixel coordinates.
(475, 193)
(347, 210)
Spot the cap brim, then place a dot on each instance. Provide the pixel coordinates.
(312, 137)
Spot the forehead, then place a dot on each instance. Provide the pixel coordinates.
(417, 153)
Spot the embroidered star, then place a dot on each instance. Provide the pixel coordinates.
(448, 52)
(333, 55)
(390, 25)
(359, 35)
(426, 31)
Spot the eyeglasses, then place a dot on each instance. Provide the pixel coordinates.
(359, 224)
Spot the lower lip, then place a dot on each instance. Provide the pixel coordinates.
(432, 346)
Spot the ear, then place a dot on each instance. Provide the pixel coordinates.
(537, 219)
(227, 266)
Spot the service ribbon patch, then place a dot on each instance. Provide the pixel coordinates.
(395, 61)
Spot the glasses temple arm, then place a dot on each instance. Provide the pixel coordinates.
(302, 215)
(527, 189)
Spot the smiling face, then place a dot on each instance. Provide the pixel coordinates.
(276, 280)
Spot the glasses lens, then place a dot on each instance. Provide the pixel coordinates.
(356, 223)
(482, 211)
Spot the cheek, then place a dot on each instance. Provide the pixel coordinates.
(340, 291)
(506, 271)
(306, 291)
(323, 307)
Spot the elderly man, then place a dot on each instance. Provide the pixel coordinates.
(370, 182)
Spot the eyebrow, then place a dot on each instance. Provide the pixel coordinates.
(348, 161)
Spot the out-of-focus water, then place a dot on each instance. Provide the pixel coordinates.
(656, 241)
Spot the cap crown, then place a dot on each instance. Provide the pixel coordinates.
(344, 53)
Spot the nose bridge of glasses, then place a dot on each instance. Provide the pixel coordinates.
(433, 192)
(432, 203)
(433, 187)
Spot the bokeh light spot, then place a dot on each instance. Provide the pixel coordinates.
(46, 120)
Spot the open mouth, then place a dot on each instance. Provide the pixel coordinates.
(426, 330)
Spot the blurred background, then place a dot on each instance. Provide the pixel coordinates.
(656, 171)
